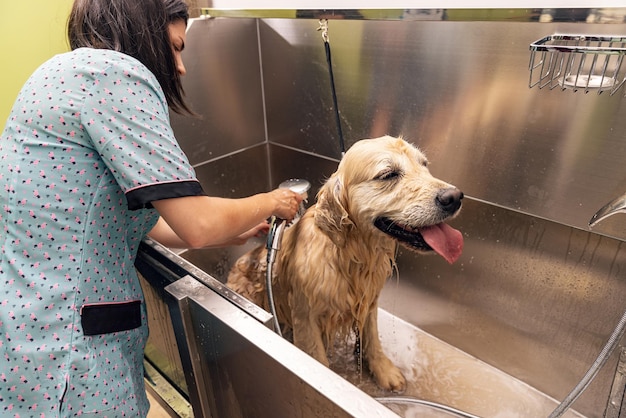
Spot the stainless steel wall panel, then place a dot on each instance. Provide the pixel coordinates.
(460, 91)
(298, 99)
(236, 175)
(288, 163)
(223, 85)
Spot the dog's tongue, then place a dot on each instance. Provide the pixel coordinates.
(445, 240)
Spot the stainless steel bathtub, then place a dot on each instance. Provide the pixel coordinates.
(472, 360)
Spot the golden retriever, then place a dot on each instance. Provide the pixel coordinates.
(334, 261)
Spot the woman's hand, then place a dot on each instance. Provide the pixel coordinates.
(287, 203)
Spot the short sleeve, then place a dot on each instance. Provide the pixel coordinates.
(125, 113)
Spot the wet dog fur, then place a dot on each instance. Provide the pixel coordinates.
(334, 261)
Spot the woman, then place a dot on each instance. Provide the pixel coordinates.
(89, 166)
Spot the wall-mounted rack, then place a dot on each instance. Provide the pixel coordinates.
(578, 62)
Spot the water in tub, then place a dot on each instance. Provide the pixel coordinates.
(442, 374)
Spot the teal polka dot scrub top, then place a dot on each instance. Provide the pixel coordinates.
(87, 147)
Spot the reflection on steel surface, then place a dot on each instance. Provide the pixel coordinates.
(239, 368)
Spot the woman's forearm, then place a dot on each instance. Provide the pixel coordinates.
(203, 221)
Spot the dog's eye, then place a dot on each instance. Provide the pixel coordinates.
(388, 175)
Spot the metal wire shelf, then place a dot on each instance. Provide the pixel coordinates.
(578, 62)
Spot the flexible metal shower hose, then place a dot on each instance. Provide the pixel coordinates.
(601, 360)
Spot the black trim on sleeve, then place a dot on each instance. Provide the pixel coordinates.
(142, 197)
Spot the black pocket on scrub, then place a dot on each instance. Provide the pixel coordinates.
(104, 318)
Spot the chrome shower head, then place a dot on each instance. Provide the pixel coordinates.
(299, 186)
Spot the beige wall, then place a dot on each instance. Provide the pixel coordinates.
(30, 33)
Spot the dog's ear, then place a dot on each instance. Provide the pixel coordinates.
(331, 216)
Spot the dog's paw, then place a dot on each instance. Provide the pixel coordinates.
(389, 377)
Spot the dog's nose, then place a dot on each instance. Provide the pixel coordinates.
(449, 199)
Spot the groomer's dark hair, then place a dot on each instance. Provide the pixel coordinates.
(135, 28)
(176, 10)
